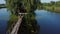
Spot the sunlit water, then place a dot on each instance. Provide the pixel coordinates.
(49, 22)
(4, 16)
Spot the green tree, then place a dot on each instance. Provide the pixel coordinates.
(52, 2)
(12, 5)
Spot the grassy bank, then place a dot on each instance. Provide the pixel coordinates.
(52, 8)
(13, 18)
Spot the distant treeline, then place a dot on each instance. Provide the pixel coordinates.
(2, 6)
(52, 3)
(54, 6)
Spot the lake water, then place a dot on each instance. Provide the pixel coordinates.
(49, 22)
(4, 16)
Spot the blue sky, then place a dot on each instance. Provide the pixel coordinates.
(3, 1)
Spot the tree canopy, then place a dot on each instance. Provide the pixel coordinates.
(28, 4)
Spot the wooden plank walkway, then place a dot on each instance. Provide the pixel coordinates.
(17, 25)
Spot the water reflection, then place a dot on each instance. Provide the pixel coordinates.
(49, 22)
(4, 16)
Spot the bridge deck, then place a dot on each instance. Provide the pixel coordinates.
(16, 27)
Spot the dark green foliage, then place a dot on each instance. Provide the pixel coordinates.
(12, 5)
(29, 25)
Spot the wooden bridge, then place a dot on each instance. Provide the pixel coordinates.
(17, 25)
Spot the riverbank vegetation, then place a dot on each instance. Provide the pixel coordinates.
(13, 18)
(12, 21)
(53, 6)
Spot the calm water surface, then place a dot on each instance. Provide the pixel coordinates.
(4, 16)
(49, 22)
